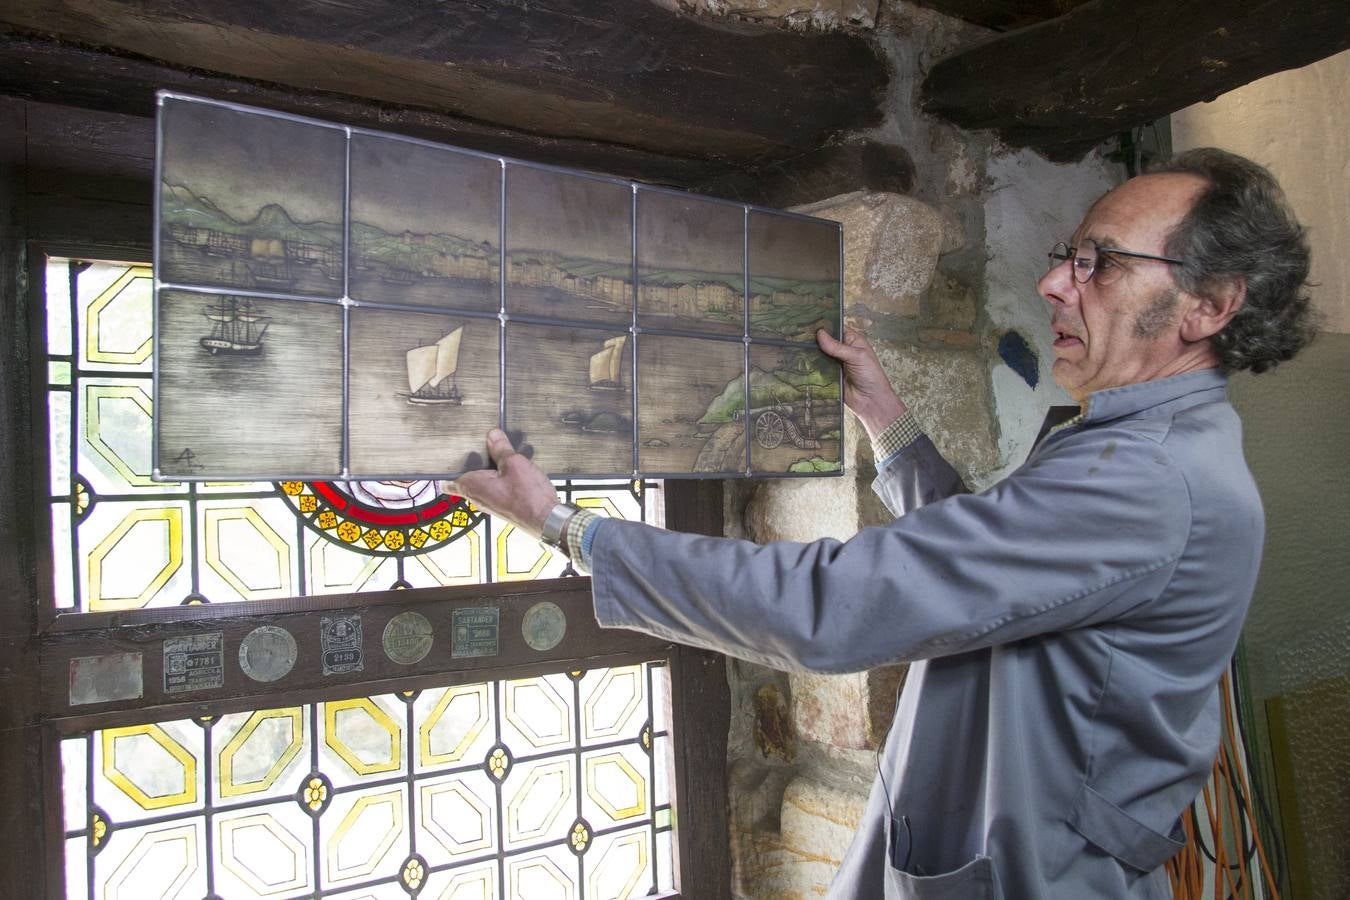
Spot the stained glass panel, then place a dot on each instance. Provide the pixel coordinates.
(325, 285)
(553, 786)
(121, 540)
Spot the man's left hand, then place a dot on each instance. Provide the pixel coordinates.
(517, 490)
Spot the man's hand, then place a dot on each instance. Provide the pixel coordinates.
(517, 490)
(867, 391)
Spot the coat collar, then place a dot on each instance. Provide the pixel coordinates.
(1113, 403)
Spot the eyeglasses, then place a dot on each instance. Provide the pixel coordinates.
(1088, 260)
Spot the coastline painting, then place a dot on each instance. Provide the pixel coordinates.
(696, 426)
(248, 388)
(250, 201)
(794, 276)
(691, 254)
(569, 247)
(425, 225)
(423, 391)
(794, 422)
(569, 394)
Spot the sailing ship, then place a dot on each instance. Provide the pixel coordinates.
(237, 326)
(607, 364)
(430, 366)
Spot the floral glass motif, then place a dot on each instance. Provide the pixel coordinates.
(468, 290)
(554, 786)
(123, 541)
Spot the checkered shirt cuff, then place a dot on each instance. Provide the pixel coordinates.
(576, 528)
(896, 436)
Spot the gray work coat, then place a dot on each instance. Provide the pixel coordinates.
(1067, 629)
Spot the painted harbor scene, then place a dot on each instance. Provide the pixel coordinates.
(248, 388)
(690, 255)
(794, 276)
(425, 225)
(250, 201)
(569, 247)
(569, 394)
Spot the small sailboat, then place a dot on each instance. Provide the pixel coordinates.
(429, 368)
(237, 326)
(607, 365)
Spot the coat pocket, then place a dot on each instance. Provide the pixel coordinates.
(1121, 835)
(976, 880)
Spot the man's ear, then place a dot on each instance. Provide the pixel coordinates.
(1211, 311)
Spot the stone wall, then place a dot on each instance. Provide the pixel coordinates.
(942, 280)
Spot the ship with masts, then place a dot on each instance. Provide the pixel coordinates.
(237, 326)
(431, 371)
(607, 366)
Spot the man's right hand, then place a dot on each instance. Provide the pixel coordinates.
(867, 391)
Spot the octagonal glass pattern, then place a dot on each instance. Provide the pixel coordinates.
(538, 787)
(121, 540)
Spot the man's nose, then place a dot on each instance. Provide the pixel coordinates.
(1057, 285)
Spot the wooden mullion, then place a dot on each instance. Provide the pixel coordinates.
(23, 867)
(700, 700)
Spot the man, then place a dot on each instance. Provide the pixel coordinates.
(1068, 626)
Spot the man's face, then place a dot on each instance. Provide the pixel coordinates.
(1126, 331)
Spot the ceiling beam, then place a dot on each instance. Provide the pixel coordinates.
(1063, 86)
(587, 72)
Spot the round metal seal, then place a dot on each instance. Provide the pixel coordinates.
(267, 653)
(544, 626)
(407, 638)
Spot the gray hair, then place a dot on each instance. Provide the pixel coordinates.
(1241, 226)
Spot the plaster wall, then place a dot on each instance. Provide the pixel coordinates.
(1294, 123)
(1297, 440)
(1030, 204)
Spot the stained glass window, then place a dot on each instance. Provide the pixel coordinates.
(539, 788)
(552, 786)
(122, 541)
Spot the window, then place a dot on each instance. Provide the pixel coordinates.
(538, 762)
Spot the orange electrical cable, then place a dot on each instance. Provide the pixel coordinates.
(1226, 797)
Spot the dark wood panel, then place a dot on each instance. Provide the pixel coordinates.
(1066, 84)
(609, 71)
(145, 634)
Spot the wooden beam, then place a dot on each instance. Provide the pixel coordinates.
(1001, 15)
(614, 72)
(1063, 86)
(64, 75)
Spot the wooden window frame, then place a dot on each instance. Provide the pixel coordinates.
(77, 183)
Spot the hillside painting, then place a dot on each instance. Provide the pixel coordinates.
(425, 225)
(795, 418)
(690, 263)
(248, 201)
(794, 276)
(569, 247)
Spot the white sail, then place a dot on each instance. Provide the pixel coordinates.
(421, 367)
(605, 365)
(447, 356)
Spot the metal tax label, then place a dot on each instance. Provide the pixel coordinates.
(407, 638)
(475, 631)
(194, 662)
(340, 640)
